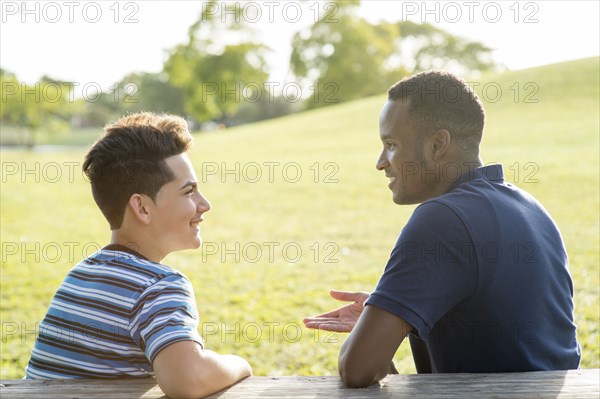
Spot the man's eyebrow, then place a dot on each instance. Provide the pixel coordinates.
(189, 183)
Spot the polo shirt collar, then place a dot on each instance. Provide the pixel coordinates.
(123, 248)
(493, 172)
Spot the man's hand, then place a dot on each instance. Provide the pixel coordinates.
(343, 319)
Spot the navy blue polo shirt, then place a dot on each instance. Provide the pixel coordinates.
(481, 273)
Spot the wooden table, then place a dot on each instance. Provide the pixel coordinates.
(538, 384)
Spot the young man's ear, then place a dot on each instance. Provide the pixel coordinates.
(440, 142)
(139, 207)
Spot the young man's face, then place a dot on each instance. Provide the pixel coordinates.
(402, 157)
(178, 208)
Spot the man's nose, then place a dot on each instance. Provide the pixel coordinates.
(382, 162)
(203, 204)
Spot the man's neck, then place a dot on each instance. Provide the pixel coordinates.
(453, 170)
(138, 244)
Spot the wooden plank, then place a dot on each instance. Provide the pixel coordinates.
(573, 384)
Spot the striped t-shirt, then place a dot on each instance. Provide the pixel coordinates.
(110, 317)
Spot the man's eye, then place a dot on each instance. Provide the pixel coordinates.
(389, 145)
(190, 192)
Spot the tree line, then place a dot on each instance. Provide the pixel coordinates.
(220, 75)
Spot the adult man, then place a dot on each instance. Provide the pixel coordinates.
(478, 276)
(120, 312)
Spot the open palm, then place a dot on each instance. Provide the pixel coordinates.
(342, 319)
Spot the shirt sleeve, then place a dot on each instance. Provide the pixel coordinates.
(164, 314)
(432, 268)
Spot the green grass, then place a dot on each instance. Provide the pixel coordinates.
(255, 308)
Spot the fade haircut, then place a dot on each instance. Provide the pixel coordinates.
(440, 100)
(129, 158)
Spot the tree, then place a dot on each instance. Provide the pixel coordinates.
(9, 109)
(46, 104)
(356, 58)
(344, 56)
(146, 91)
(216, 76)
(434, 48)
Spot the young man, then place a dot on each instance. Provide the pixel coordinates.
(120, 312)
(479, 275)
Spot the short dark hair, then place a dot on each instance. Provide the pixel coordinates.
(442, 100)
(129, 158)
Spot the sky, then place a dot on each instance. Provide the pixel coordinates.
(98, 42)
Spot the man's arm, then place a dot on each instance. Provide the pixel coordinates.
(185, 370)
(366, 355)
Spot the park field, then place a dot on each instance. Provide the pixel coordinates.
(298, 208)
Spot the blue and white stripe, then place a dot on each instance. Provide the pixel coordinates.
(111, 316)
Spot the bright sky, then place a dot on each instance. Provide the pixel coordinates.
(101, 41)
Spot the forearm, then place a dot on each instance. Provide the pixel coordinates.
(366, 355)
(357, 372)
(222, 371)
(197, 373)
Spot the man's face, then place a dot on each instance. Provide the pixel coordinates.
(402, 157)
(178, 208)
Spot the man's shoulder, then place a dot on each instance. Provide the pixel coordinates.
(492, 210)
(433, 219)
(125, 269)
(471, 198)
(468, 204)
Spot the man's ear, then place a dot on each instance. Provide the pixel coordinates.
(139, 206)
(440, 143)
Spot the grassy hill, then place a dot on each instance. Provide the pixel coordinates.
(298, 209)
